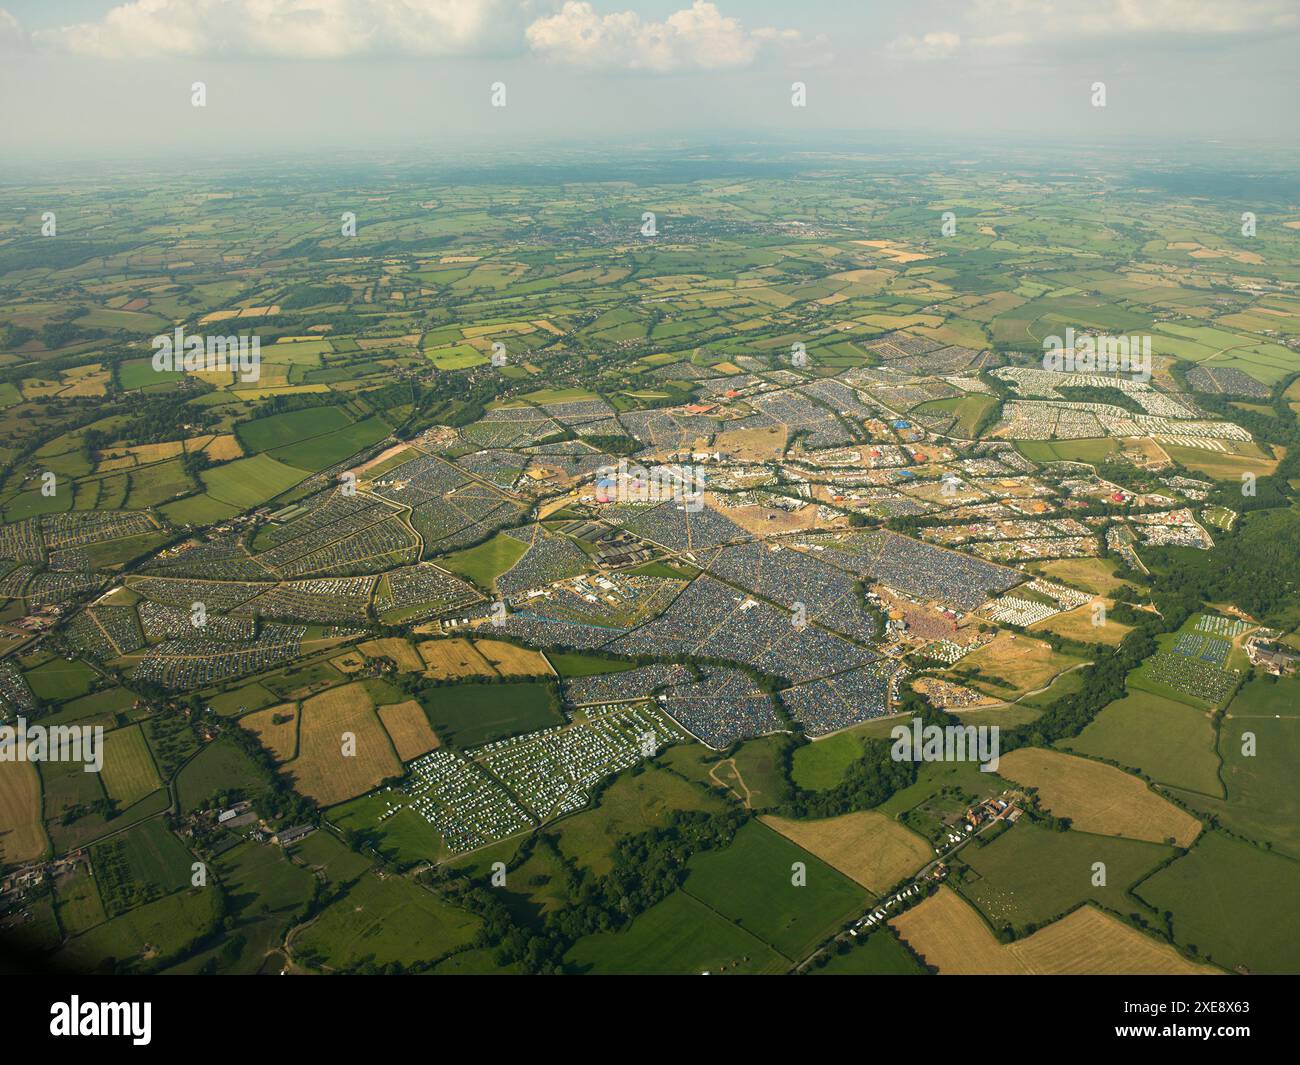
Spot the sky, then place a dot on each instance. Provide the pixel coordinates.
(86, 78)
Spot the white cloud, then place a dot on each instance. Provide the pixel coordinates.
(990, 26)
(1099, 18)
(12, 36)
(696, 38)
(939, 45)
(294, 29)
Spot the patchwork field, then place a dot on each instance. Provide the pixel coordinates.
(349, 519)
(321, 770)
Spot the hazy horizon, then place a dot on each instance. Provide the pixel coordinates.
(88, 78)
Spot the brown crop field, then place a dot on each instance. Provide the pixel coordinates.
(409, 728)
(221, 448)
(1091, 942)
(512, 661)
(868, 847)
(1077, 625)
(948, 934)
(1096, 575)
(1023, 662)
(279, 737)
(322, 771)
(22, 837)
(951, 936)
(453, 659)
(396, 648)
(1098, 798)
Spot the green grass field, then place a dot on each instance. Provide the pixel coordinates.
(1169, 741)
(404, 837)
(146, 937)
(220, 768)
(467, 715)
(761, 765)
(317, 452)
(58, 680)
(1232, 902)
(385, 921)
(750, 883)
(129, 772)
(574, 664)
(1030, 875)
(679, 936)
(969, 411)
(878, 954)
(78, 904)
(634, 803)
(250, 482)
(254, 875)
(265, 434)
(1093, 451)
(486, 562)
(1263, 802)
(820, 766)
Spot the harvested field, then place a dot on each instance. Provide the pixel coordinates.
(1024, 663)
(276, 728)
(867, 847)
(322, 771)
(396, 648)
(512, 661)
(453, 659)
(223, 448)
(22, 836)
(1077, 625)
(950, 936)
(409, 729)
(1090, 941)
(1098, 798)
